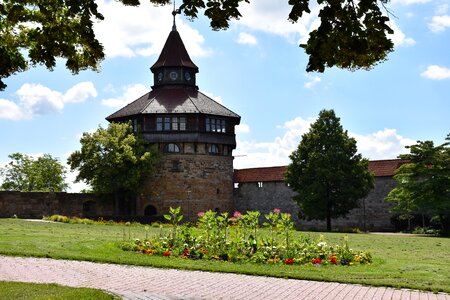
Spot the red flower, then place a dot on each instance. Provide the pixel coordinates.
(167, 253)
(317, 261)
(289, 261)
(333, 260)
(186, 252)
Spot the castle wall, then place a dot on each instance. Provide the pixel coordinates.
(264, 197)
(39, 204)
(373, 213)
(194, 182)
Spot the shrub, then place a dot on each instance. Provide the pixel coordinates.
(238, 238)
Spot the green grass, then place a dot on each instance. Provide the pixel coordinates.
(399, 261)
(35, 291)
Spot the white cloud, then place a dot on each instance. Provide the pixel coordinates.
(36, 99)
(130, 93)
(383, 144)
(442, 9)
(9, 110)
(312, 81)
(130, 31)
(80, 92)
(410, 2)
(247, 39)
(242, 128)
(399, 38)
(275, 153)
(439, 23)
(272, 16)
(436, 73)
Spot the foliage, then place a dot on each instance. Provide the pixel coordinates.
(26, 174)
(113, 159)
(325, 171)
(218, 237)
(37, 291)
(401, 261)
(424, 182)
(351, 34)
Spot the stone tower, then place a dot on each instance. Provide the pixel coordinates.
(194, 133)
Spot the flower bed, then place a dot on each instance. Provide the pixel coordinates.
(239, 238)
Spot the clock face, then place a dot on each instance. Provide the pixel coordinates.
(187, 76)
(173, 75)
(160, 76)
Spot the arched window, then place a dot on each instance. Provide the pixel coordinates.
(150, 210)
(213, 149)
(171, 148)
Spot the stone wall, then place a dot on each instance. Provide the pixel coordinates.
(373, 213)
(194, 182)
(265, 196)
(37, 205)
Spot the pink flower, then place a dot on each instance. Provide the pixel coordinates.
(200, 214)
(237, 215)
(276, 210)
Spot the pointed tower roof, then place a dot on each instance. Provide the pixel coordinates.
(174, 53)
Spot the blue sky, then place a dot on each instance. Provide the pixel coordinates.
(257, 70)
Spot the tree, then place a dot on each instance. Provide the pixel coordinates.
(325, 171)
(26, 174)
(113, 160)
(424, 182)
(351, 35)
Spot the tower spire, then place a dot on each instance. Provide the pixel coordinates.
(174, 13)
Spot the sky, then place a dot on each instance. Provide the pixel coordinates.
(256, 69)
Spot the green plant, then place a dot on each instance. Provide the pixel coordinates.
(393, 263)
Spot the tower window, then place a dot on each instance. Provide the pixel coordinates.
(182, 123)
(176, 166)
(159, 123)
(167, 123)
(174, 123)
(215, 125)
(171, 148)
(260, 184)
(171, 123)
(213, 149)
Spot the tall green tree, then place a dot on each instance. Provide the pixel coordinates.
(351, 35)
(25, 174)
(113, 160)
(326, 172)
(424, 183)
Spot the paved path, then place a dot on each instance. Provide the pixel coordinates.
(133, 282)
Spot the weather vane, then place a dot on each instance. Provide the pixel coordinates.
(174, 13)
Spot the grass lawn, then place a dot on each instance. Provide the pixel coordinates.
(399, 261)
(35, 291)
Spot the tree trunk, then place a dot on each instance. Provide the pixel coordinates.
(328, 222)
(329, 206)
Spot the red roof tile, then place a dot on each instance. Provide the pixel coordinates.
(380, 168)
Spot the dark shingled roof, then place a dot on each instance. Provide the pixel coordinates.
(173, 100)
(380, 168)
(174, 54)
